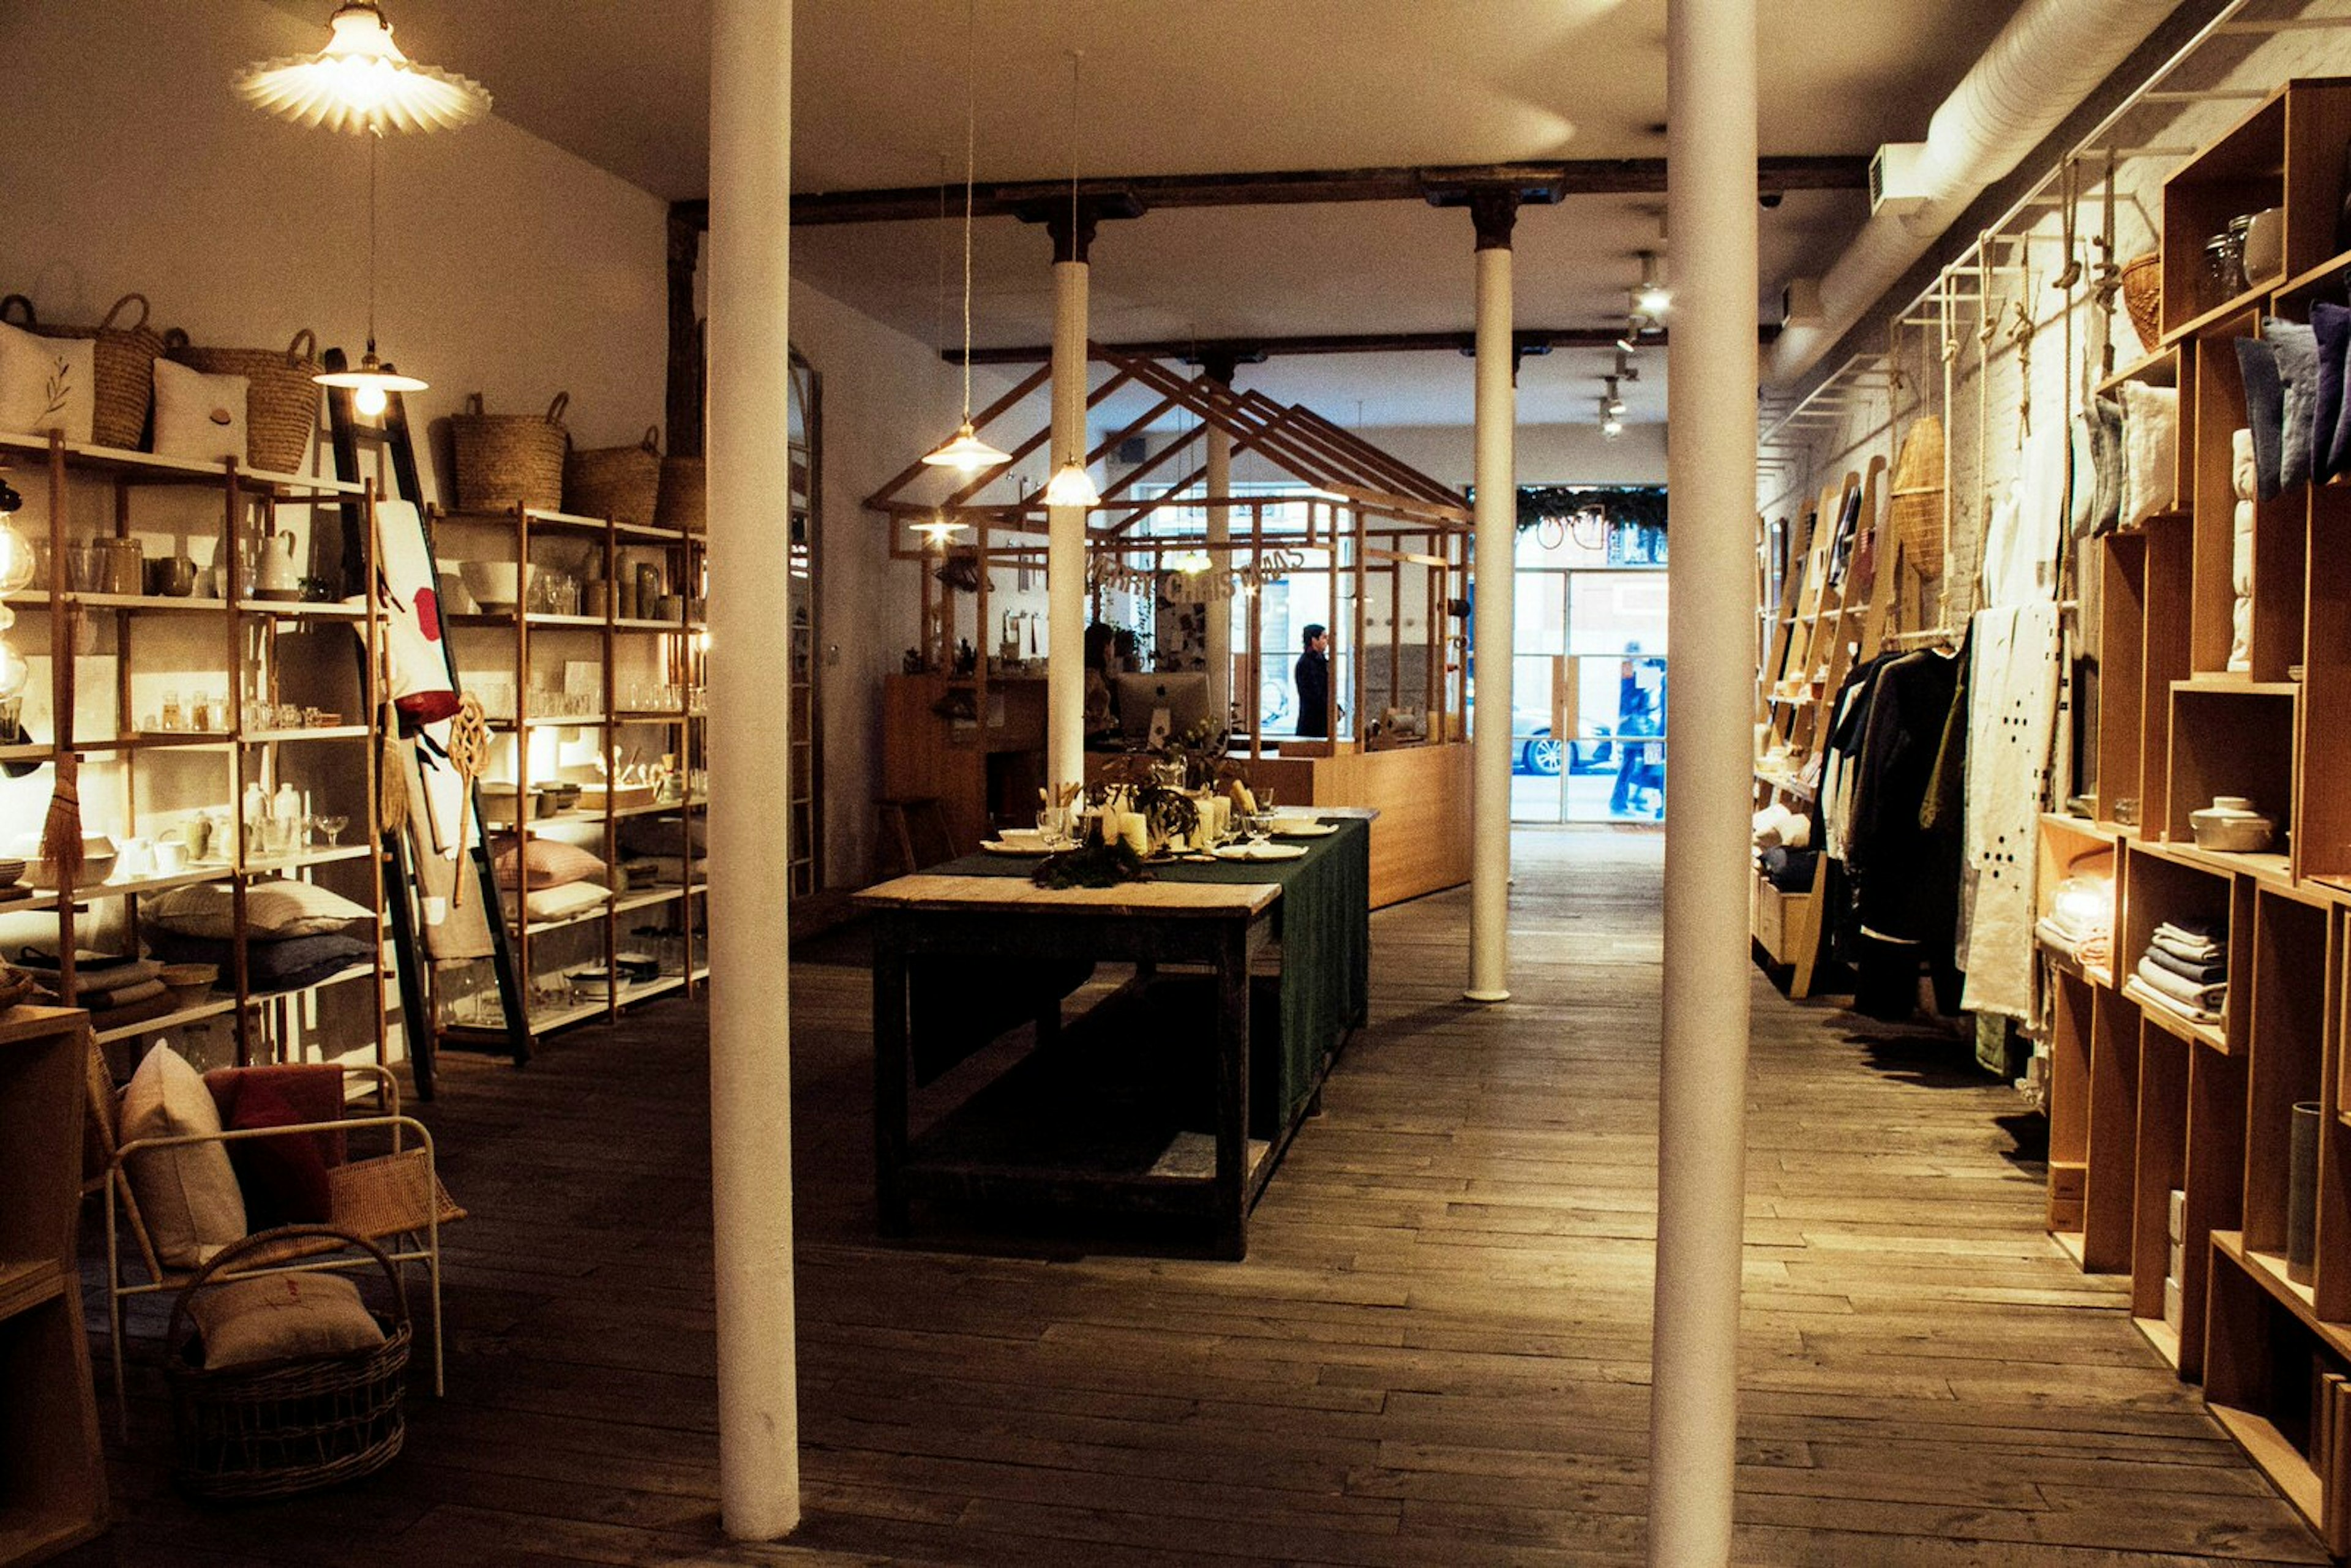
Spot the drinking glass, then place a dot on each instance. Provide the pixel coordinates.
(332, 826)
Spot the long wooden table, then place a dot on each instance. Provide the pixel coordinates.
(1000, 928)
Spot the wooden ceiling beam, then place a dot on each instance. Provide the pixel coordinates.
(1557, 178)
(1250, 351)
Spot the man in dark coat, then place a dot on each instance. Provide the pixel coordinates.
(1312, 677)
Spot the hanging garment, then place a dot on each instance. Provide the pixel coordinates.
(2020, 545)
(1908, 873)
(2013, 699)
(421, 688)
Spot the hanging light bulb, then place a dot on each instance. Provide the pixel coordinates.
(1652, 299)
(1071, 486)
(361, 82)
(937, 531)
(16, 551)
(964, 450)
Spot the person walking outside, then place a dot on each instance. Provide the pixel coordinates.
(1311, 676)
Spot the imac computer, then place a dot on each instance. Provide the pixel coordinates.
(1154, 708)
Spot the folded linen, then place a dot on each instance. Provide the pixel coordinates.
(2188, 952)
(2243, 473)
(2191, 930)
(102, 999)
(2209, 998)
(2054, 933)
(2097, 949)
(2205, 974)
(153, 1006)
(2241, 633)
(2146, 995)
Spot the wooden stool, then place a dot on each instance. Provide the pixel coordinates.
(916, 827)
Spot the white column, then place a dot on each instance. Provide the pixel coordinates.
(1497, 517)
(1219, 481)
(751, 576)
(1065, 544)
(1711, 368)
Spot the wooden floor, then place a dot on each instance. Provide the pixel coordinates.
(1436, 1352)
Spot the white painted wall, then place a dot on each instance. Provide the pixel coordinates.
(1547, 454)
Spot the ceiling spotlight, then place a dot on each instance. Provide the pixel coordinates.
(1652, 299)
(1626, 370)
(1610, 425)
(1611, 405)
(1630, 343)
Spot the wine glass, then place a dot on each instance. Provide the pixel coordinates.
(333, 826)
(1049, 826)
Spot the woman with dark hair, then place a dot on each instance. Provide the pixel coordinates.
(1311, 676)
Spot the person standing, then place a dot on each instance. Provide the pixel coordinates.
(1311, 676)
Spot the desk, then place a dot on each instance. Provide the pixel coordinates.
(1220, 917)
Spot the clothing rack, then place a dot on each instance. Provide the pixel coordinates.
(1930, 636)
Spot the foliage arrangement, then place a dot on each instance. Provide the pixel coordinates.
(1091, 865)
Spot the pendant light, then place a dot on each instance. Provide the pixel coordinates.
(16, 572)
(1070, 484)
(361, 82)
(372, 382)
(965, 452)
(1652, 300)
(937, 531)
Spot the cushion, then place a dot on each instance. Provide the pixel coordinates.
(282, 1317)
(562, 902)
(283, 1180)
(275, 906)
(198, 417)
(2297, 360)
(546, 863)
(2331, 325)
(2265, 411)
(2151, 439)
(2106, 454)
(189, 1195)
(314, 1089)
(46, 383)
(280, 964)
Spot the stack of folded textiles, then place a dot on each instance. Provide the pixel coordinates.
(117, 990)
(2080, 919)
(2186, 968)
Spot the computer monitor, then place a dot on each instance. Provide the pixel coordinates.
(1152, 708)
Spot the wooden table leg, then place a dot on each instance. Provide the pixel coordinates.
(1232, 1094)
(890, 1044)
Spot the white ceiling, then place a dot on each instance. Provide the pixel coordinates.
(1221, 86)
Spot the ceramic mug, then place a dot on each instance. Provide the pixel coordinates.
(170, 853)
(135, 858)
(2264, 257)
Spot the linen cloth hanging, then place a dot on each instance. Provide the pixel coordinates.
(2012, 697)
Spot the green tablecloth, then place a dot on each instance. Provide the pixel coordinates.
(1322, 921)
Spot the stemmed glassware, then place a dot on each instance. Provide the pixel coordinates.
(332, 826)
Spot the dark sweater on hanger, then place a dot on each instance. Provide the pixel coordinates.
(1907, 875)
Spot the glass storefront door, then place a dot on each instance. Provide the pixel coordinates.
(1588, 742)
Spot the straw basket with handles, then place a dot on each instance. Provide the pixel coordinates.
(124, 380)
(683, 484)
(2142, 281)
(621, 483)
(509, 459)
(281, 399)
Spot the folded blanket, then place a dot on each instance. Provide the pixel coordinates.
(2147, 995)
(2097, 949)
(102, 1000)
(2177, 988)
(154, 1007)
(2194, 928)
(2188, 950)
(2243, 475)
(2053, 935)
(2204, 973)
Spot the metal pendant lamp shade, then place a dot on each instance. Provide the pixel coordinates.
(360, 82)
(965, 452)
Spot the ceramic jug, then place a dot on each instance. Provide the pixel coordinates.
(280, 578)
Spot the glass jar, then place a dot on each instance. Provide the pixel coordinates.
(2224, 268)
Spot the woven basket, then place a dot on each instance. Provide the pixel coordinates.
(2142, 283)
(281, 398)
(1918, 496)
(509, 459)
(278, 1429)
(621, 483)
(124, 380)
(684, 503)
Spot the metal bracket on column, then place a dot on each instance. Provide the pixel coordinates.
(1072, 223)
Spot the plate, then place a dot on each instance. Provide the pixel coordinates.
(1260, 852)
(998, 847)
(1304, 829)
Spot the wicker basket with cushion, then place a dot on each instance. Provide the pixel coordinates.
(124, 379)
(276, 1428)
(621, 483)
(2142, 281)
(509, 459)
(281, 404)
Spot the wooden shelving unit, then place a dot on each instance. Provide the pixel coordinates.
(628, 689)
(52, 1471)
(2143, 1100)
(250, 659)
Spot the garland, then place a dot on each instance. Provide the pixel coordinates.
(1641, 505)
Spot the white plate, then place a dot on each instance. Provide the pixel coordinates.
(1260, 852)
(998, 847)
(1304, 828)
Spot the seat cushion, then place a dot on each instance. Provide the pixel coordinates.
(188, 1194)
(274, 907)
(282, 1317)
(546, 863)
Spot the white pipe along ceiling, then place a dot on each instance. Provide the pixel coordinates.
(2049, 58)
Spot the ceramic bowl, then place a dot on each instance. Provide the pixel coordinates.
(189, 983)
(11, 872)
(496, 586)
(2230, 824)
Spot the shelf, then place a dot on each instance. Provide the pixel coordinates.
(2160, 1334)
(657, 808)
(328, 854)
(89, 457)
(2269, 868)
(2320, 281)
(2157, 368)
(543, 927)
(25, 1285)
(2252, 299)
(569, 623)
(315, 732)
(184, 1017)
(2070, 1243)
(555, 721)
(546, 521)
(658, 715)
(642, 624)
(2173, 1023)
(2238, 685)
(630, 903)
(2276, 1455)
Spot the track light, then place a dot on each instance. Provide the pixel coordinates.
(1612, 403)
(1652, 299)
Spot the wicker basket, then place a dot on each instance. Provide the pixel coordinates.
(682, 503)
(509, 459)
(1918, 496)
(123, 382)
(281, 398)
(2142, 281)
(282, 1427)
(621, 483)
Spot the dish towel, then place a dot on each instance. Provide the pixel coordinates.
(2207, 1000)
(2012, 715)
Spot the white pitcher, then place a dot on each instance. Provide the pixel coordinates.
(280, 578)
